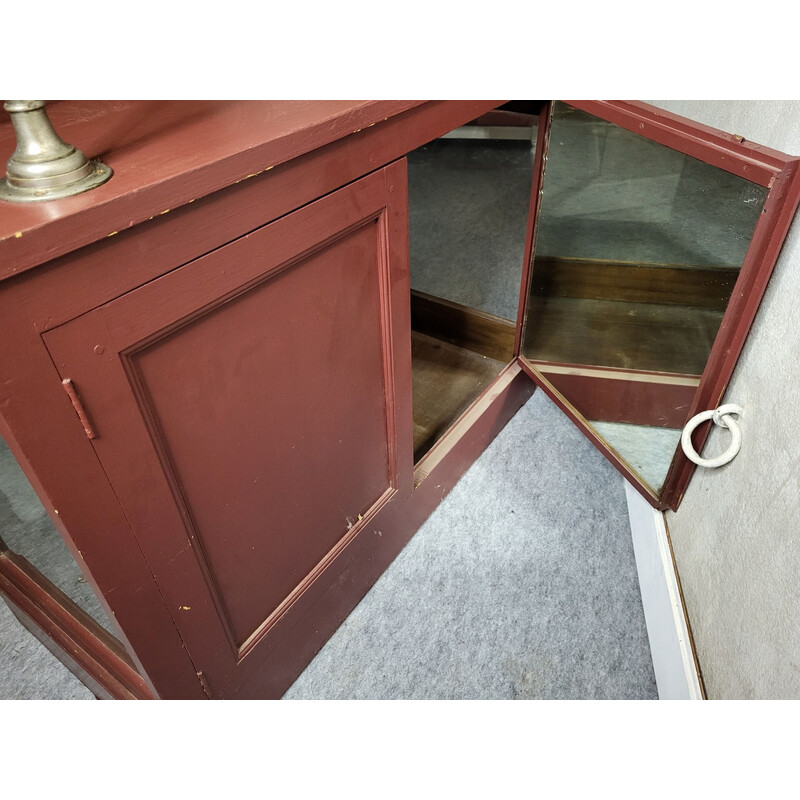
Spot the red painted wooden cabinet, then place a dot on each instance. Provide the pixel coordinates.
(232, 464)
(252, 411)
(233, 329)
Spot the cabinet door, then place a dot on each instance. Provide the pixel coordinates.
(654, 240)
(252, 411)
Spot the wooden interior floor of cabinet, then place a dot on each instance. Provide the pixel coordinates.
(446, 379)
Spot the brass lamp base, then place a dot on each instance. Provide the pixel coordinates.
(99, 174)
(44, 167)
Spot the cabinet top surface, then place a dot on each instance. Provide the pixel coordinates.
(165, 154)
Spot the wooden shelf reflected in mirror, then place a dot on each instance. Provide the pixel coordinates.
(654, 239)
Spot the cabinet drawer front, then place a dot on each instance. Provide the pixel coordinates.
(247, 413)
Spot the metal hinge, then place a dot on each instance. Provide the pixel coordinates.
(69, 388)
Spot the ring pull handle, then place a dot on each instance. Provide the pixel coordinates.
(720, 416)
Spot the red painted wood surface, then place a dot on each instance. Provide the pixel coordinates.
(253, 412)
(91, 653)
(151, 370)
(168, 154)
(54, 451)
(80, 281)
(40, 427)
(762, 255)
(370, 554)
(606, 395)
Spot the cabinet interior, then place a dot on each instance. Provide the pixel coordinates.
(469, 198)
(641, 240)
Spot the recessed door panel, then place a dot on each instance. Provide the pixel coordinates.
(250, 422)
(247, 414)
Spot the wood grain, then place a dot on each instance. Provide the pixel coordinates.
(446, 380)
(638, 336)
(466, 327)
(682, 285)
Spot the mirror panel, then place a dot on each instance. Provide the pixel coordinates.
(469, 199)
(637, 250)
(26, 529)
(468, 216)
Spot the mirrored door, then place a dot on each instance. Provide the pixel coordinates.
(469, 201)
(639, 249)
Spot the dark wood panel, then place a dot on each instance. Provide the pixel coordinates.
(511, 380)
(310, 390)
(466, 327)
(634, 283)
(446, 379)
(639, 336)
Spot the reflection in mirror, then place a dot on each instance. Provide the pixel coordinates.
(468, 212)
(27, 531)
(637, 251)
(469, 196)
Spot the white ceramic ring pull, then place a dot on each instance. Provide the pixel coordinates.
(720, 416)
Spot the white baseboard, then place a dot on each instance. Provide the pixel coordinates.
(670, 643)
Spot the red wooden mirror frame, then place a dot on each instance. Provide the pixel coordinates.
(769, 168)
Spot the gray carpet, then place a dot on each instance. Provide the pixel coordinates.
(647, 449)
(521, 585)
(611, 194)
(468, 213)
(28, 671)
